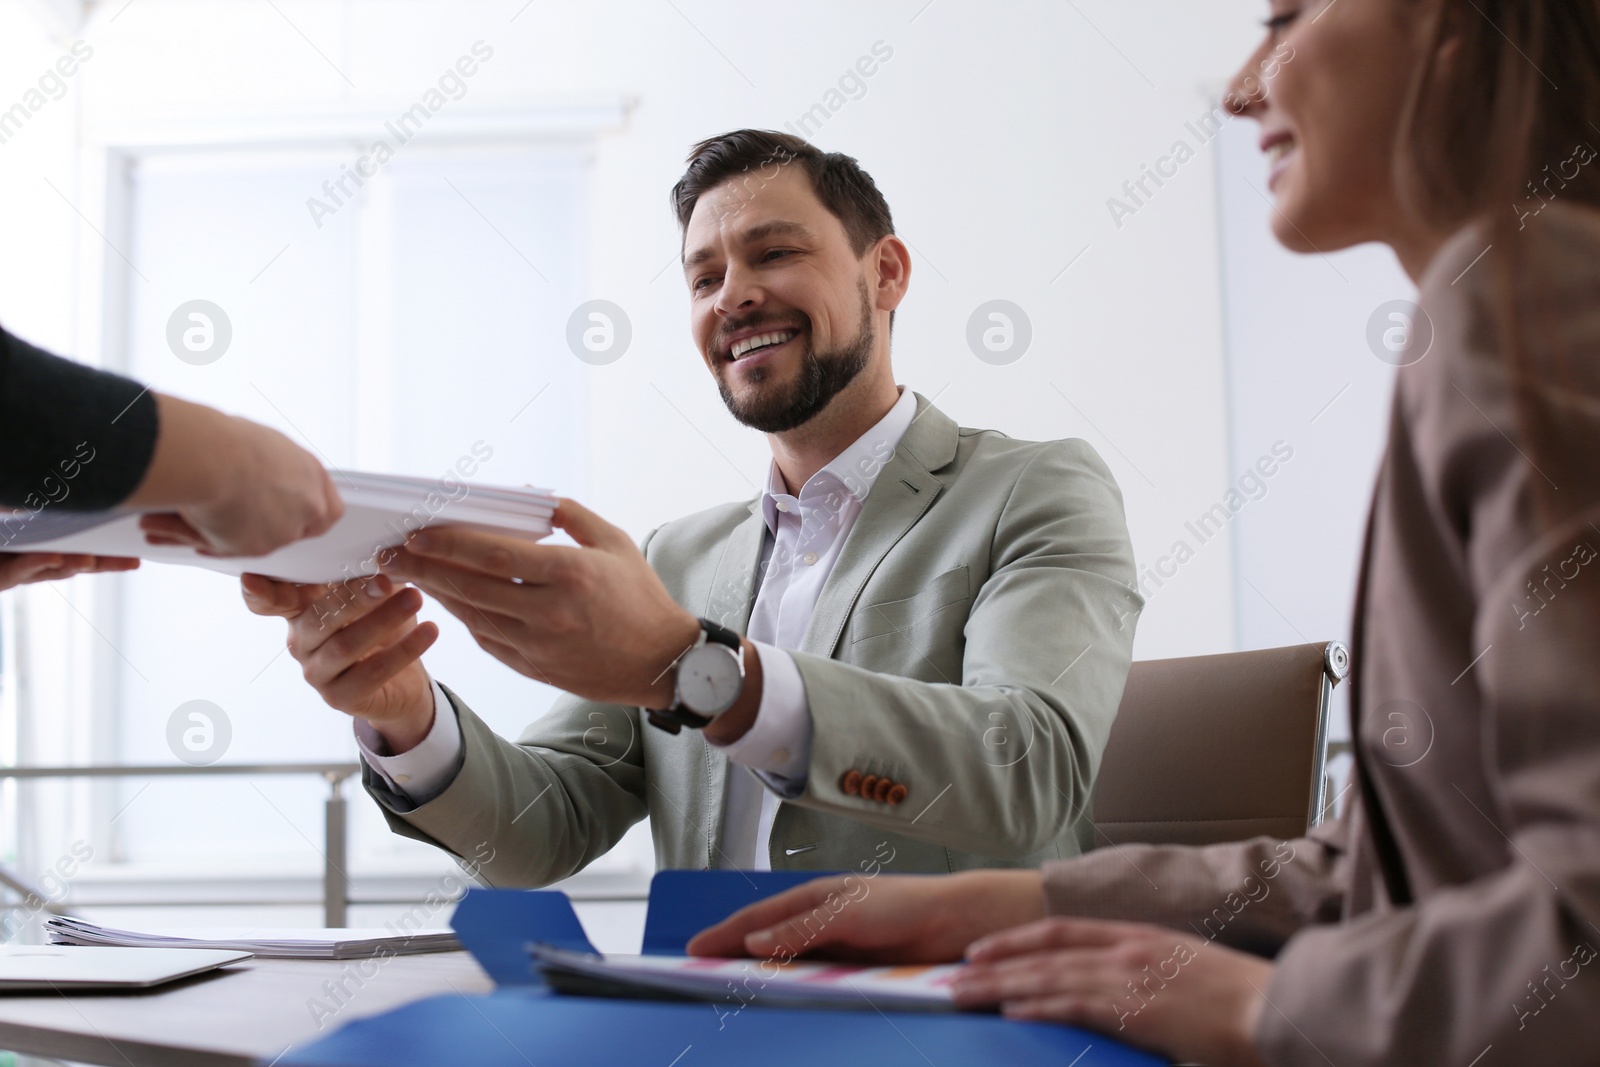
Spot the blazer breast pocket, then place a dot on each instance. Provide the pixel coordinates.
(902, 616)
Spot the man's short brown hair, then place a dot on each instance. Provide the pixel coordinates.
(753, 157)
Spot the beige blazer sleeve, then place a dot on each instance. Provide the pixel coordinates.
(1478, 551)
(1048, 641)
(545, 806)
(1253, 895)
(1501, 966)
(541, 808)
(1495, 962)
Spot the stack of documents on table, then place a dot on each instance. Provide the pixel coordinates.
(381, 511)
(316, 943)
(765, 983)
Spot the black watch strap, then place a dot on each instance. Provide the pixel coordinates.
(674, 719)
(721, 635)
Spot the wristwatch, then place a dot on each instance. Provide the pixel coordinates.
(710, 677)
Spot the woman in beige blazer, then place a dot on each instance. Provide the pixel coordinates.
(1450, 916)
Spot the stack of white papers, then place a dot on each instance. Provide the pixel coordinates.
(381, 511)
(797, 984)
(315, 943)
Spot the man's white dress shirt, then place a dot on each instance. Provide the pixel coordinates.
(805, 535)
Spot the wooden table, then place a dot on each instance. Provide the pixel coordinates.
(252, 1012)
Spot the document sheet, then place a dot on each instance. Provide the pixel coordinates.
(737, 982)
(381, 511)
(315, 943)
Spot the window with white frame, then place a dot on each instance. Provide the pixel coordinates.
(403, 323)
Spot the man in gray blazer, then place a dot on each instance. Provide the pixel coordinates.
(908, 651)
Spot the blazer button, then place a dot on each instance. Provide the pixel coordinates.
(897, 794)
(851, 783)
(880, 792)
(868, 784)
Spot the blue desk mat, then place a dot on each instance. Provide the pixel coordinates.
(527, 1025)
(523, 1022)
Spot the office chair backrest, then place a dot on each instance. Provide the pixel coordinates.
(1219, 748)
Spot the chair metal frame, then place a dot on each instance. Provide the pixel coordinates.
(1335, 669)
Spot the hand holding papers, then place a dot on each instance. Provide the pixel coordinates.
(380, 512)
(594, 620)
(230, 486)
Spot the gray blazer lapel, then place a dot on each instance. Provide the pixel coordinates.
(729, 601)
(732, 595)
(904, 491)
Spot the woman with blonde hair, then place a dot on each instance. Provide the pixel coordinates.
(1449, 916)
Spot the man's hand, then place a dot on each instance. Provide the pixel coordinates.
(1190, 999)
(360, 646)
(594, 620)
(227, 486)
(887, 919)
(24, 567)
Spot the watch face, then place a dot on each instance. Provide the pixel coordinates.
(709, 679)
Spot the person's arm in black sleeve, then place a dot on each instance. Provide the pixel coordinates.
(70, 436)
(76, 438)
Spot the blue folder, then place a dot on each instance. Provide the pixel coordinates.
(523, 1022)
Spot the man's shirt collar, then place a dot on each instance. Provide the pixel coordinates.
(851, 473)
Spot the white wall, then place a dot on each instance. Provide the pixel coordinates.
(1303, 373)
(36, 257)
